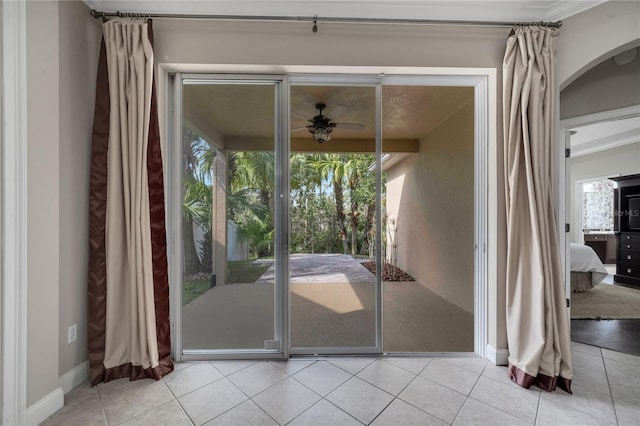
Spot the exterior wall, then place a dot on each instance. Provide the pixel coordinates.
(79, 49)
(237, 245)
(624, 160)
(432, 196)
(42, 199)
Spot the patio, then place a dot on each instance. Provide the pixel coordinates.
(332, 305)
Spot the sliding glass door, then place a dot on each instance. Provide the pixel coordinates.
(428, 218)
(332, 285)
(325, 215)
(231, 277)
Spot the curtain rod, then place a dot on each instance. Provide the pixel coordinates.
(315, 19)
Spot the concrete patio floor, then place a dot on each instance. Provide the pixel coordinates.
(332, 304)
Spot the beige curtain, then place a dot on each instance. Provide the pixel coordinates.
(537, 319)
(128, 280)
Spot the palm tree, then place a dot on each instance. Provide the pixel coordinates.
(362, 192)
(197, 157)
(333, 167)
(251, 181)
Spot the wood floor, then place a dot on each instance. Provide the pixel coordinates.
(618, 335)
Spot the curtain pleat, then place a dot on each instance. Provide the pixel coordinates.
(537, 321)
(129, 332)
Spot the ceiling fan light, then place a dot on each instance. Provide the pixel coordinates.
(321, 134)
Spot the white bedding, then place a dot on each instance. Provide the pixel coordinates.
(584, 259)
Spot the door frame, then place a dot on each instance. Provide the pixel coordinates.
(488, 326)
(13, 223)
(565, 131)
(174, 214)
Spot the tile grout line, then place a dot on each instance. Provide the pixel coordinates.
(539, 392)
(468, 397)
(289, 376)
(397, 397)
(249, 398)
(535, 420)
(606, 374)
(322, 397)
(178, 402)
(217, 380)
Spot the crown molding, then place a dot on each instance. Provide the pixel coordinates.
(564, 9)
(454, 10)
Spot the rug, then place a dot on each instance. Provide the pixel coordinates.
(606, 301)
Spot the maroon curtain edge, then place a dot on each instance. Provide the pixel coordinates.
(544, 382)
(97, 277)
(96, 288)
(158, 230)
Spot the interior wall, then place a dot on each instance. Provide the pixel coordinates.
(598, 33)
(79, 50)
(1, 208)
(605, 87)
(42, 199)
(432, 196)
(624, 160)
(607, 29)
(272, 43)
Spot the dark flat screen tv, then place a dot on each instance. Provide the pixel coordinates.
(634, 213)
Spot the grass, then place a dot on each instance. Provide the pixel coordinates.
(240, 271)
(194, 286)
(243, 271)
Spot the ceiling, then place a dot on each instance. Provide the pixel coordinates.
(592, 138)
(234, 116)
(449, 10)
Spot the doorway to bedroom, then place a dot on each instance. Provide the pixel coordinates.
(360, 239)
(604, 309)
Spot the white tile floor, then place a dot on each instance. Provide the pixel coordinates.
(356, 391)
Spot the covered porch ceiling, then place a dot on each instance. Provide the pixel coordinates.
(238, 117)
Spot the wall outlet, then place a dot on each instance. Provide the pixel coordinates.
(73, 333)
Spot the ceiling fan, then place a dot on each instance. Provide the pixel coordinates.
(321, 126)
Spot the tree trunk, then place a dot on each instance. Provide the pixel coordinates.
(368, 225)
(355, 214)
(340, 216)
(355, 220)
(191, 260)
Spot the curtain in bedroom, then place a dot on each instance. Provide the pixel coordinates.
(128, 291)
(537, 319)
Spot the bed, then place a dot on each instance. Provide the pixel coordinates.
(587, 271)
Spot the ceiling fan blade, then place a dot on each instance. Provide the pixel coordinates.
(349, 126)
(337, 112)
(298, 129)
(302, 116)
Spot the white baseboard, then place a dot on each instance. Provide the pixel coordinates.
(43, 408)
(497, 356)
(74, 377)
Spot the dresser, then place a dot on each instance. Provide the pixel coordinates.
(628, 265)
(604, 244)
(626, 209)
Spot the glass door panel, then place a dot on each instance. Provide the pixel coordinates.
(228, 227)
(428, 218)
(332, 219)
